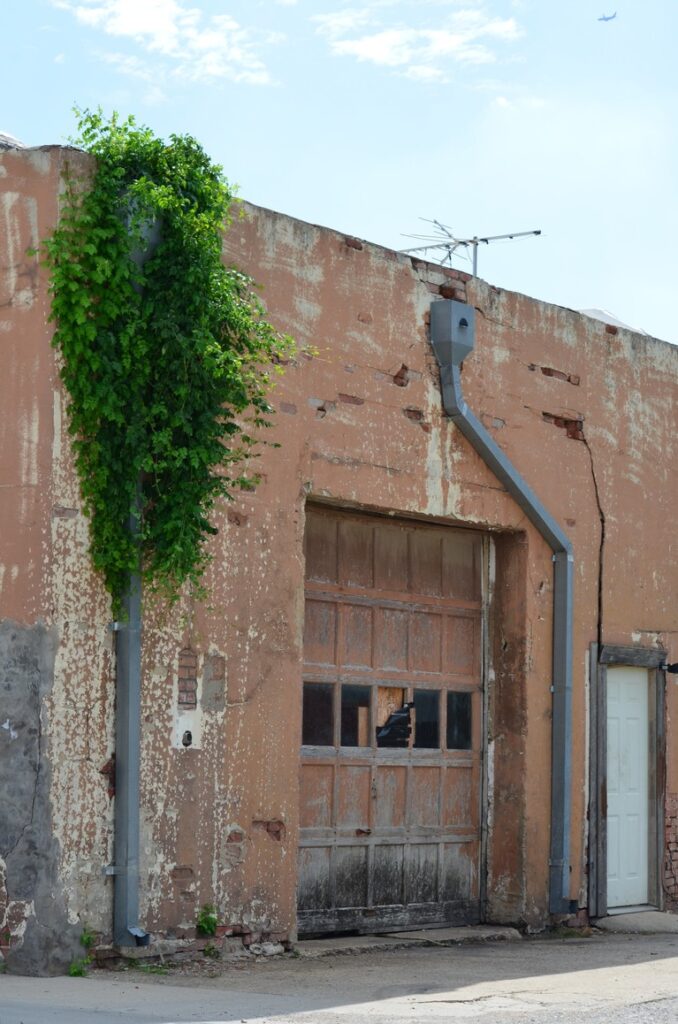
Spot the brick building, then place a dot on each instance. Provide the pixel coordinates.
(427, 685)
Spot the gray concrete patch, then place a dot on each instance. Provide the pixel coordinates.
(35, 915)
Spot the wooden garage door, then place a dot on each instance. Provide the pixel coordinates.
(390, 823)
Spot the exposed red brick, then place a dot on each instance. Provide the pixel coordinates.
(351, 399)
(611, 329)
(402, 377)
(416, 415)
(353, 243)
(274, 828)
(573, 426)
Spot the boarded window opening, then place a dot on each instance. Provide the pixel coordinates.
(355, 716)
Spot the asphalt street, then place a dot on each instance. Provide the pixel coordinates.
(625, 979)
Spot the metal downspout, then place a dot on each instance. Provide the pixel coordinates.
(453, 338)
(126, 930)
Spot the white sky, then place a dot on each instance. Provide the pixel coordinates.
(365, 116)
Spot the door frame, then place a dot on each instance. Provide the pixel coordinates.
(639, 657)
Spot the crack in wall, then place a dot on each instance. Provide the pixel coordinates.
(493, 320)
(601, 545)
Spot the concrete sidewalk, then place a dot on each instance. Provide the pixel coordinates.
(347, 945)
(641, 922)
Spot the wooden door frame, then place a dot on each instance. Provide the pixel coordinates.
(639, 657)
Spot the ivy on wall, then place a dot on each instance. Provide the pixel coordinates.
(167, 355)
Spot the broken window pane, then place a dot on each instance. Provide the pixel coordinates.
(355, 716)
(393, 717)
(458, 721)
(427, 718)
(318, 718)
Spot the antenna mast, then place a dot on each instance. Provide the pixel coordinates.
(447, 241)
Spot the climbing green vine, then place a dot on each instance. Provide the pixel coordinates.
(166, 353)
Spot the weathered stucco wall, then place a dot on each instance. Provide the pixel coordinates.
(585, 413)
(55, 661)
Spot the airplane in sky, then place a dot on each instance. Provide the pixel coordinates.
(608, 17)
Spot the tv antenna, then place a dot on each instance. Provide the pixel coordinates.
(445, 240)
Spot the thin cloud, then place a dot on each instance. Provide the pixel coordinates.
(339, 23)
(418, 51)
(190, 45)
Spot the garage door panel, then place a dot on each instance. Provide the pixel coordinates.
(320, 632)
(423, 798)
(354, 797)
(461, 645)
(460, 875)
(391, 639)
(390, 787)
(421, 873)
(356, 553)
(389, 831)
(459, 798)
(357, 636)
(350, 876)
(388, 876)
(425, 562)
(461, 560)
(316, 789)
(314, 878)
(425, 646)
(391, 564)
(321, 548)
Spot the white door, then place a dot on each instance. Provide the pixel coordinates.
(627, 786)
